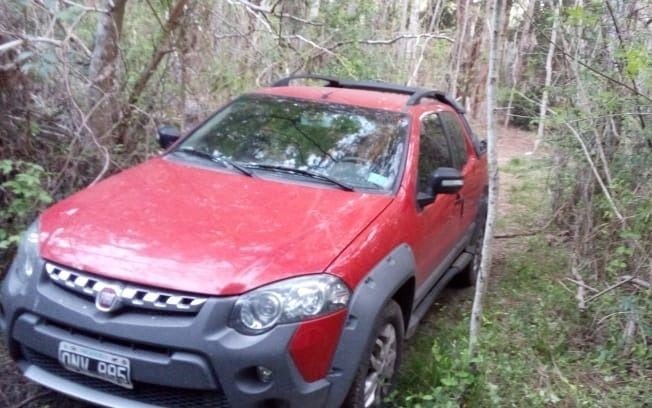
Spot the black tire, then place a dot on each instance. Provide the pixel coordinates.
(469, 275)
(390, 320)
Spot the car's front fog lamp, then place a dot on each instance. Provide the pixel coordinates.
(265, 374)
(291, 300)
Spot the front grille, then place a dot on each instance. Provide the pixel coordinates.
(110, 341)
(130, 295)
(142, 392)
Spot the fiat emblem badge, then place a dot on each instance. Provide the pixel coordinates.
(108, 298)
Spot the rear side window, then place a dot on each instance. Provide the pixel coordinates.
(433, 150)
(458, 144)
(474, 136)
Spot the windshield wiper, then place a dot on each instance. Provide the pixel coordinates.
(216, 159)
(307, 173)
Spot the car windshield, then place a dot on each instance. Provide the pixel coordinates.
(346, 145)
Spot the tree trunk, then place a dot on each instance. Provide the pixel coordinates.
(411, 45)
(548, 81)
(523, 47)
(485, 264)
(103, 69)
(458, 54)
(436, 16)
(313, 13)
(163, 47)
(513, 78)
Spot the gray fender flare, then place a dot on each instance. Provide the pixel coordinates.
(368, 300)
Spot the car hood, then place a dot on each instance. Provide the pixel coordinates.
(201, 230)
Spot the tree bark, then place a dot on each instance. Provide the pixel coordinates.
(458, 55)
(103, 69)
(485, 264)
(411, 46)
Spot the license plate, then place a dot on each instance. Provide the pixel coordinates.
(95, 363)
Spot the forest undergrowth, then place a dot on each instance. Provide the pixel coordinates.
(537, 347)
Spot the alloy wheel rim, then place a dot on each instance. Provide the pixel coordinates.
(382, 363)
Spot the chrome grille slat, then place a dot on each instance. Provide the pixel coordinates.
(130, 295)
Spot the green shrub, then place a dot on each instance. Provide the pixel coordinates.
(23, 195)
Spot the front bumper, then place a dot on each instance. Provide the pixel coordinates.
(177, 360)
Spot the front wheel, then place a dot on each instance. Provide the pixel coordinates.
(377, 372)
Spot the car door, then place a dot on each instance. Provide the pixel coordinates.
(434, 221)
(466, 161)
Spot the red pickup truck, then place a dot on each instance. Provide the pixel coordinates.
(275, 256)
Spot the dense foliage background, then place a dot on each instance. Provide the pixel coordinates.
(84, 85)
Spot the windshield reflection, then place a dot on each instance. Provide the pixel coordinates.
(359, 147)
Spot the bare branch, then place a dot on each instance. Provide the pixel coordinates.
(639, 282)
(85, 8)
(151, 7)
(589, 159)
(622, 281)
(596, 72)
(271, 11)
(581, 283)
(10, 45)
(395, 39)
(30, 38)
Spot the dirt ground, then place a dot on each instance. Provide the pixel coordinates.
(17, 392)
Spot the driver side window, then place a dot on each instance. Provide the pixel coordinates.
(434, 151)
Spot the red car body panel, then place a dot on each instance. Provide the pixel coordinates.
(188, 228)
(313, 344)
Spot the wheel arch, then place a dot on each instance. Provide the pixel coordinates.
(404, 296)
(392, 278)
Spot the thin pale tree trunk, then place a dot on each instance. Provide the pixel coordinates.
(510, 100)
(412, 45)
(485, 264)
(548, 81)
(436, 15)
(313, 13)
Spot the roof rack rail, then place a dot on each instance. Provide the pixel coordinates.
(416, 94)
(438, 95)
(332, 81)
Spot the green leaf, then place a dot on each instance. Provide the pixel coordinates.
(449, 381)
(6, 166)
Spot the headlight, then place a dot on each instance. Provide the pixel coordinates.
(27, 254)
(291, 300)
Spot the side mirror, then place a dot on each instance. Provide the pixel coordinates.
(166, 135)
(446, 180)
